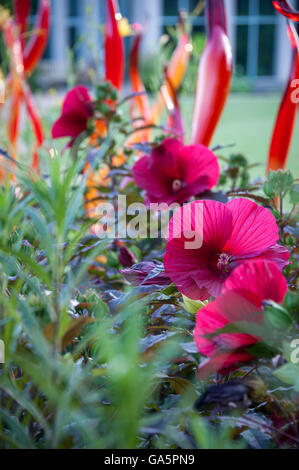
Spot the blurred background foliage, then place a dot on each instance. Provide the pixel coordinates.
(85, 365)
(91, 362)
(152, 65)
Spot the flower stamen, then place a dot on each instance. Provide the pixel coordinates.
(177, 185)
(223, 262)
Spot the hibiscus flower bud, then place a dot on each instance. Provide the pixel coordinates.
(257, 388)
(126, 258)
(147, 273)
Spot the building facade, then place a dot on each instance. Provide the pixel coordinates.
(258, 34)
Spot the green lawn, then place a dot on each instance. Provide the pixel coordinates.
(248, 121)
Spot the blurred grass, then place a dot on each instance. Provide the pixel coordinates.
(248, 121)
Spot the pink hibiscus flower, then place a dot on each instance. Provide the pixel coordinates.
(231, 234)
(174, 172)
(76, 110)
(244, 293)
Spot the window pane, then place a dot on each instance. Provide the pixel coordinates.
(73, 37)
(241, 53)
(267, 8)
(125, 8)
(243, 7)
(73, 8)
(198, 29)
(266, 50)
(47, 53)
(192, 5)
(170, 8)
(34, 7)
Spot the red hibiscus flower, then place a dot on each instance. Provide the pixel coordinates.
(230, 234)
(174, 172)
(76, 110)
(244, 292)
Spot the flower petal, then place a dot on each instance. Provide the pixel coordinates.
(197, 162)
(69, 125)
(174, 173)
(155, 173)
(230, 307)
(145, 178)
(77, 108)
(209, 219)
(165, 158)
(278, 254)
(222, 363)
(186, 270)
(259, 281)
(196, 233)
(254, 228)
(78, 99)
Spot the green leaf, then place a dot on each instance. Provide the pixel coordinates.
(248, 328)
(263, 349)
(29, 264)
(279, 182)
(294, 194)
(193, 306)
(277, 317)
(170, 290)
(289, 374)
(41, 228)
(19, 433)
